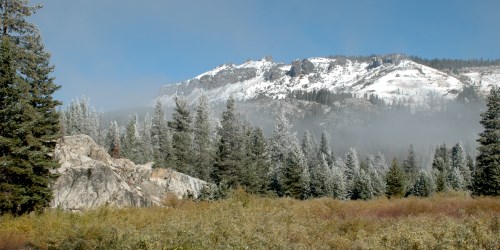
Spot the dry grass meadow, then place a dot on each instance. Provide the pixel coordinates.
(444, 221)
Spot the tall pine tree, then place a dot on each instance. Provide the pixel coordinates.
(257, 179)
(160, 138)
(29, 124)
(423, 185)
(145, 140)
(289, 172)
(410, 163)
(487, 175)
(324, 147)
(395, 180)
(230, 148)
(352, 164)
(459, 161)
(181, 137)
(131, 141)
(202, 146)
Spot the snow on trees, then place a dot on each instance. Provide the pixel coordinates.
(80, 117)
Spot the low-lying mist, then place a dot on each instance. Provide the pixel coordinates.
(372, 129)
(355, 123)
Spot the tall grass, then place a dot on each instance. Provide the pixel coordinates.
(246, 221)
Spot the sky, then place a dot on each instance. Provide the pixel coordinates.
(119, 53)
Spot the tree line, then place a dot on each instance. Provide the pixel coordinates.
(233, 153)
(468, 94)
(454, 64)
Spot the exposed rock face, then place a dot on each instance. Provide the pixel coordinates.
(303, 67)
(273, 74)
(89, 178)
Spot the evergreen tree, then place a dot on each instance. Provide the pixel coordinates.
(305, 179)
(395, 180)
(131, 141)
(113, 140)
(442, 166)
(324, 147)
(423, 185)
(410, 168)
(90, 120)
(487, 175)
(160, 138)
(456, 180)
(352, 173)
(309, 149)
(379, 163)
(203, 153)
(361, 186)
(295, 175)
(35, 66)
(29, 123)
(459, 161)
(471, 166)
(146, 141)
(441, 160)
(376, 176)
(317, 165)
(259, 163)
(181, 137)
(337, 183)
(441, 177)
(319, 174)
(289, 173)
(279, 146)
(247, 173)
(18, 179)
(230, 148)
(410, 163)
(352, 164)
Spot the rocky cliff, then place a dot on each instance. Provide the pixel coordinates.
(89, 177)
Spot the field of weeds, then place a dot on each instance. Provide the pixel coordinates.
(444, 221)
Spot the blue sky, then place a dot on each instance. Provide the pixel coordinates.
(120, 52)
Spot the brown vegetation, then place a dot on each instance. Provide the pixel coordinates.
(245, 221)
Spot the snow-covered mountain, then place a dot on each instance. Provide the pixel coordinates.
(390, 77)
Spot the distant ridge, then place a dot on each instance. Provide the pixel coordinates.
(390, 77)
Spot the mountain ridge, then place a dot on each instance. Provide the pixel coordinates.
(392, 77)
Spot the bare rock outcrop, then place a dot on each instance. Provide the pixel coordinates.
(301, 67)
(89, 177)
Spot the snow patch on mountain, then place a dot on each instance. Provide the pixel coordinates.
(392, 78)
